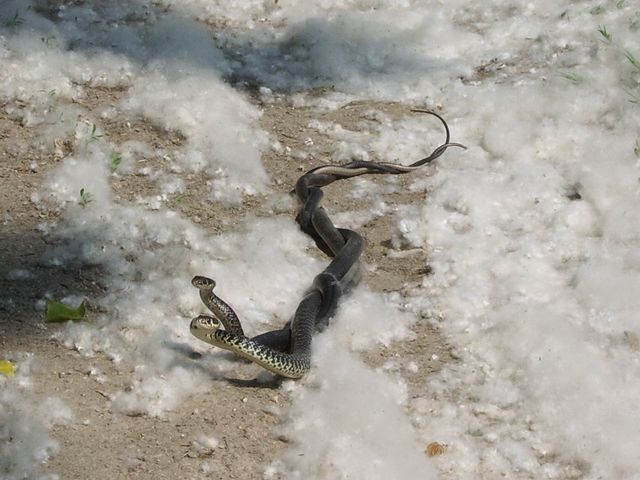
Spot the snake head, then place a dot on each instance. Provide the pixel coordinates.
(203, 326)
(203, 283)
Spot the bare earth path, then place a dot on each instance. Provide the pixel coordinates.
(244, 414)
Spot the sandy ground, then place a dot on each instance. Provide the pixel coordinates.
(244, 414)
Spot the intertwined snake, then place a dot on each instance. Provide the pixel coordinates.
(287, 352)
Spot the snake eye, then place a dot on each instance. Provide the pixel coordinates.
(203, 282)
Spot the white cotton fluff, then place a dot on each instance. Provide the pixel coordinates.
(205, 444)
(347, 421)
(532, 233)
(156, 324)
(532, 249)
(25, 424)
(153, 393)
(365, 320)
(200, 106)
(19, 274)
(144, 254)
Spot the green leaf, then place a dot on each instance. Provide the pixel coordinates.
(116, 160)
(59, 312)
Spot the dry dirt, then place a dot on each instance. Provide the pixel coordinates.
(103, 445)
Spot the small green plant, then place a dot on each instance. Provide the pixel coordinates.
(632, 60)
(49, 40)
(636, 148)
(572, 77)
(85, 198)
(115, 161)
(162, 5)
(607, 36)
(597, 10)
(94, 135)
(634, 97)
(15, 20)
(620, 4)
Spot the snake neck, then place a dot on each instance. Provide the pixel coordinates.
(290, 365)
(222, 312)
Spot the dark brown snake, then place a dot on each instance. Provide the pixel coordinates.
(287, 352)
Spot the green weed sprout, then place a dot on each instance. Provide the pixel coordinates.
(115, 162)
(572, 77)
(632, 60)
(608, 36)
(16, 20)
(94, 136)
(85, 198)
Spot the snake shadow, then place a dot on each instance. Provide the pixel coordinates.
(191, 359)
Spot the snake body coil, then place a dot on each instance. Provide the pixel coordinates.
(287, 352)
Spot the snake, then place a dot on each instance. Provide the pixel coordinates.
(221, 309)
(287, 351)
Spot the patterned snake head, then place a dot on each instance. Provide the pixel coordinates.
(203, 283)
(204, 326)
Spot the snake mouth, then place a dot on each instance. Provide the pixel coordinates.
(204, 323)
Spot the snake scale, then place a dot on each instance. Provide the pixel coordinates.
(287, 352)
